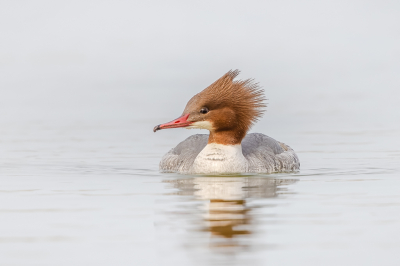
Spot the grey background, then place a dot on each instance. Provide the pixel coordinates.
(335, 61)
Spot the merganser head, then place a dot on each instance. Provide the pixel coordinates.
(227, 108)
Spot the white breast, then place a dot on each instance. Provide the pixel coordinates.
(218, 158)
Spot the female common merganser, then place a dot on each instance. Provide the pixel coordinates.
(228, 109)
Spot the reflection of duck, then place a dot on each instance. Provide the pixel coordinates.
(227, 109)
(224, 215)
(227, 214)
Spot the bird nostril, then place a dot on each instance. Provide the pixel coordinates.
(176, 122)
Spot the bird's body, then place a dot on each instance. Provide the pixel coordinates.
(227, 109)
(257, 153)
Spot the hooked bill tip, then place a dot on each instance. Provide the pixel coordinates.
(156, 128)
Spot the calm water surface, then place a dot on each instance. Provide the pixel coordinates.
(90, 194)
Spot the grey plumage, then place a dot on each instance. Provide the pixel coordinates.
(264, 154)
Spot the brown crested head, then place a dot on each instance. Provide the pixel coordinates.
(228, 108)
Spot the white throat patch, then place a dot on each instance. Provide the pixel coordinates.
(201, 125)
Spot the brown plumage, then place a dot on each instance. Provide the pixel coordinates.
(234, 106)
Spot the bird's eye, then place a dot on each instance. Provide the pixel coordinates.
(204, 110)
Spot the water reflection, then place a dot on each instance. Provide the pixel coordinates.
(228, 213)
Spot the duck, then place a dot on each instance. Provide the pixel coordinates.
(228, 108)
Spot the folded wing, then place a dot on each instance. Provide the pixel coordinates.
(181, 158)
(266, 155)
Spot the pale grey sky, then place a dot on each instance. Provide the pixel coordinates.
(107, 59)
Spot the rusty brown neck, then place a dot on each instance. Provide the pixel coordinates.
(226, 137)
